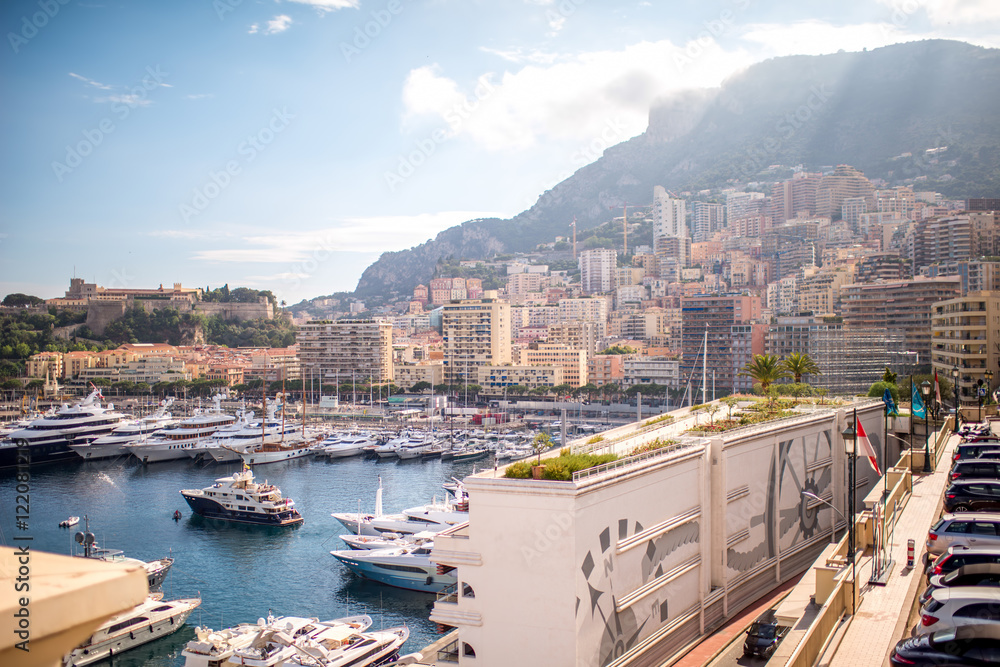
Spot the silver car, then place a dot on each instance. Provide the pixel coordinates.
(966, 529)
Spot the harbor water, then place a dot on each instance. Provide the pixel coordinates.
(241, 572)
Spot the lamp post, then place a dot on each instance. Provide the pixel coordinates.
(989, 387)
(925, 389)
(954, 375)
(850, 436)
(813, 496)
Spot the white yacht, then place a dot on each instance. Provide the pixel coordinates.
(48, 439)
(174, 443)
(338, 446)
(239, 498)
(403, 567)
(226, 439)
(150, 620)
(386, 540)
(113, 444)
(433, 517)
(290, 641)
(231, 444)
(405, 443)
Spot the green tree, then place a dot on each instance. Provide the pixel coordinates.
(711, 409)
(420, 387)
(730, 402)
(765, 369)
(877, 390)
(541, 442)
(798, 364)
(889, 376)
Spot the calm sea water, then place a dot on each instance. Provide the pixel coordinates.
(239, 571)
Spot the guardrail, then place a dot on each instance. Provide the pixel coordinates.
(588, 448)
(637, 458)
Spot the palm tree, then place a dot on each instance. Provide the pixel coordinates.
(798, 364)
(765, 369)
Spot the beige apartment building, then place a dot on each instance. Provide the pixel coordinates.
(493, 379)
(573, 361)
(965, 336)
(476, 333)
(407, 375)
(335, 351)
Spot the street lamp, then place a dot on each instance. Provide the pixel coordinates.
(850, 435)
(925, 389)
(989, 386)
(954, 375)
(813, 496)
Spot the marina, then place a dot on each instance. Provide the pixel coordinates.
(239, 571)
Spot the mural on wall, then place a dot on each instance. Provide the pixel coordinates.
(620, 632)
(799, 468)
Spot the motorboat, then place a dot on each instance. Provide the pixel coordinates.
(174, 443)
(156, 570)
(48, 439)
(338, 446)
(239, 498)
(385, 540)
(433, 517)
(291, 641)
(134, 430)
(403, 567)
(70, 522)
(473, 454)
(226, 443)
(405, 446)
(152, 619)
(272, 451)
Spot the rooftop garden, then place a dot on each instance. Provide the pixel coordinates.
(559, 468)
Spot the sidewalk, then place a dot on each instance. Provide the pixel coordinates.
(884, 611)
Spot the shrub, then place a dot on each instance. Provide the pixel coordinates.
(593, 441)
(519, 470)
(557, 470)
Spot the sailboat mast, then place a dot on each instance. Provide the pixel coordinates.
(704, 369)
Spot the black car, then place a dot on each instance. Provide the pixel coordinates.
(964, 646)
(973, 495)
(764, 635)
(984, 468)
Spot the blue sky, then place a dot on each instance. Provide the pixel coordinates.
(285, 145)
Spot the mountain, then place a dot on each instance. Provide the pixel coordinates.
(867, 109)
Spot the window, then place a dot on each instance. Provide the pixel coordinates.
(987, 611)
(959, 527)
(982, 528)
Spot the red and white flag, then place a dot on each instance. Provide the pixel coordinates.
(937, 389)
(865, 447)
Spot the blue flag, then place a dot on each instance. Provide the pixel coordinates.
(917, 404)
(890, 405)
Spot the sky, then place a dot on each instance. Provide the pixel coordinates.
(285, 145)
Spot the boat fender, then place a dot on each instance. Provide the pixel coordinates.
(430, 580)
(131, 635)
(150, 628)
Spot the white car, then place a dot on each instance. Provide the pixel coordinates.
(961, 605)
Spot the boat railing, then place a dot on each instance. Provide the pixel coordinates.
(448, 594)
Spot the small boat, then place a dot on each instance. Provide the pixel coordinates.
(149, 620)
(239, 498)
(70, 522)
(402, 567)
(470, 455)
(177, 515)
(385, 540)
(156, 570)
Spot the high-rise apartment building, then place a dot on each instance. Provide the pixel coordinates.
(671, 241)
(333, 351)
(706, 219)
(597, 270)
(965, 336)
(476, 333)
(901, 306)
(726, 318)
(941, 240)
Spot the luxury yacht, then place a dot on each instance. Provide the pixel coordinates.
(174, 443)
(239, 498)
(135, 430)
(433, 517)
(48, 439)
(403, 567)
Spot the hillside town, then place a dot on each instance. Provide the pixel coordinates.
(858, 277)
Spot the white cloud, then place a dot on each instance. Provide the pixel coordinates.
(366, 235)
(520, 56)
(818, 37)
(944, 12)
(573, 100)
(95, 84)
(253, 29)
(188, 234)
(330, 5)
(198, 96)
(131, 100)
(278, 24)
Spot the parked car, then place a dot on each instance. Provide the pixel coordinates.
(962, 605)
(984, 468)
(972, 450)
(987, 575)
(979, 529)
(764, 635)
(973, 495)
(964, 646)
(956, 557)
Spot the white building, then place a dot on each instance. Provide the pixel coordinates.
(597, 270)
